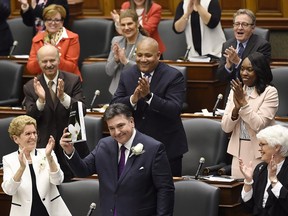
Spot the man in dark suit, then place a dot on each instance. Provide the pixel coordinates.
(144, 186)
(6, 39)
(51, 109)
(244, 22)
(155, 92)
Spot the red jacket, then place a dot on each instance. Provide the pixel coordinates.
(69, 49)
(150, 22)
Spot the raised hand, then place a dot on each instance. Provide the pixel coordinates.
(39, 90)
(65, 142)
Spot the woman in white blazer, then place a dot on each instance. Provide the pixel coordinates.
(31, 175)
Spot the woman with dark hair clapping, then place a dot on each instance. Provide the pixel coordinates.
(252, 105)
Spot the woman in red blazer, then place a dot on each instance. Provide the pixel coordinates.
(66, 42)
(149, 14)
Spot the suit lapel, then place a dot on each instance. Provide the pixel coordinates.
(249, 47)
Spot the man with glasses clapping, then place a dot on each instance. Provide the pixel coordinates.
(241, 45)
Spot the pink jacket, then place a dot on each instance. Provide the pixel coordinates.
(69, 48)
(259, 114)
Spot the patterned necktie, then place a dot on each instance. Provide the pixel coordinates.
(148, 75)
(121, 164)
(240, 50)
(52, 93)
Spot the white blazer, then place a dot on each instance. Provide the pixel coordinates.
(46, 182)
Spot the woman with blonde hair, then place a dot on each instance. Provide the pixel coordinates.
(31, 174)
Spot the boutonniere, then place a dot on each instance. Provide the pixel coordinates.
(42, 163)
(137, 150)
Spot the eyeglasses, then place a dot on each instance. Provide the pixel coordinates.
(261, 145)
(249, 69)
(243, 24)
(50, 21)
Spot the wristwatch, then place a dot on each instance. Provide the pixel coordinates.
(148, 96)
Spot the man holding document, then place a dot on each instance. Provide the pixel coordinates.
(48, 100)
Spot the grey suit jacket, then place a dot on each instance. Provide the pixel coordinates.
(255, 44)
(113, 68)
(145, 186)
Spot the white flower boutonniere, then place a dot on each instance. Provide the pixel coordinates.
(137, 150)
(42, 163)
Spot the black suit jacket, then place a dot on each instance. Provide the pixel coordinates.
(54, 118)
(161, 119)
(255, 44)
(274, 206)
(145, 188)
(6, 38)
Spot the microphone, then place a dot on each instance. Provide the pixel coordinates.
(97, 93)
(219, 98)
(185, 57)
(23, 103)
(15, 43)
(187, 54)
(91, 208)
(201, 162)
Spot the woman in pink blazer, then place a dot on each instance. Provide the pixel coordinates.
(251, 106)
(66, 42)
(149, 14)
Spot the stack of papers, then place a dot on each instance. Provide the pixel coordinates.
(199, 59)
(218, 179)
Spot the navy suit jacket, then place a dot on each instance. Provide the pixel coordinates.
(274, 206)
(255, 44)
(161, 119)
(145, 186)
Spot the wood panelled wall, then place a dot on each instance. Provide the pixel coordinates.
(271, 14)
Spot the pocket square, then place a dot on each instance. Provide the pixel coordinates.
(141, 168)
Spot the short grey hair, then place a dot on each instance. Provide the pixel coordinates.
(275, 135)
(248, 13)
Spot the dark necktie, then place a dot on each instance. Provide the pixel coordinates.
(148, 75)
(121, 164)
(52, 93)
(240, 50)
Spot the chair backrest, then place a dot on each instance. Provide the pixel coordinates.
(175, 43)
(205, 139)
(280, 80)
(183, 70)
(21, 33)
(94, 130)
(95, 35)
(10, 82)
(7, 145)
(263, 32)
(95, 78)
(196, 198)
(78, 196)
